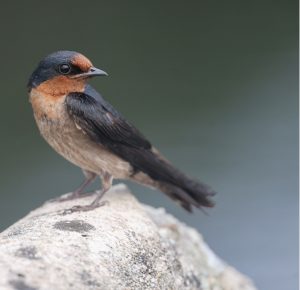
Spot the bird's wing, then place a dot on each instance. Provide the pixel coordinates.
(103, 123)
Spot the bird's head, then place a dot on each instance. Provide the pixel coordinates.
(63, 72)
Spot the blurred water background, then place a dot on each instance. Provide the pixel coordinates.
(213, 84)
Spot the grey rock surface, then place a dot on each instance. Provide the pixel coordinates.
(122, 245)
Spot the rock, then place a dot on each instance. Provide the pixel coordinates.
(122, 245)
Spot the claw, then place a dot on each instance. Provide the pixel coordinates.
(71, 196)
(78, 208)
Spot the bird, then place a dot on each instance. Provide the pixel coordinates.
(89, 132)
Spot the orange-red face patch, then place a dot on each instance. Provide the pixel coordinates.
(81, 62)
(61, 85)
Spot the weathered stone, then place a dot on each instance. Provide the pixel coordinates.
(122, 245)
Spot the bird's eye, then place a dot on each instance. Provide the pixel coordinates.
(64, 69)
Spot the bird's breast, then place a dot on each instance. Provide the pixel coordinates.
(69, 140)
(46, 106)
(54, 122)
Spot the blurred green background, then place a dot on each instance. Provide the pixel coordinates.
(213, 84)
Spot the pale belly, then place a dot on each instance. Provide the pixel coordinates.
(70, 142)
(76, 147)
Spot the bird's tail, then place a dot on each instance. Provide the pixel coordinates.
(182, 189)
(188, 193)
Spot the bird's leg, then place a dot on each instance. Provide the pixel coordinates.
(89, 177)
(106, 185)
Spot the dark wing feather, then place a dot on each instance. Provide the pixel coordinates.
(102, 123)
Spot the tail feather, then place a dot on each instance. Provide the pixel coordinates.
(189, 193)
(178, 195)
(182, 189)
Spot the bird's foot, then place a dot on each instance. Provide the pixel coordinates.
(78, 193)
(78, 208)
(71, 196)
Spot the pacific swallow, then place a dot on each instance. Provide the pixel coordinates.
(85, 129)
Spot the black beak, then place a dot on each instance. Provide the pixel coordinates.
(93, 71)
